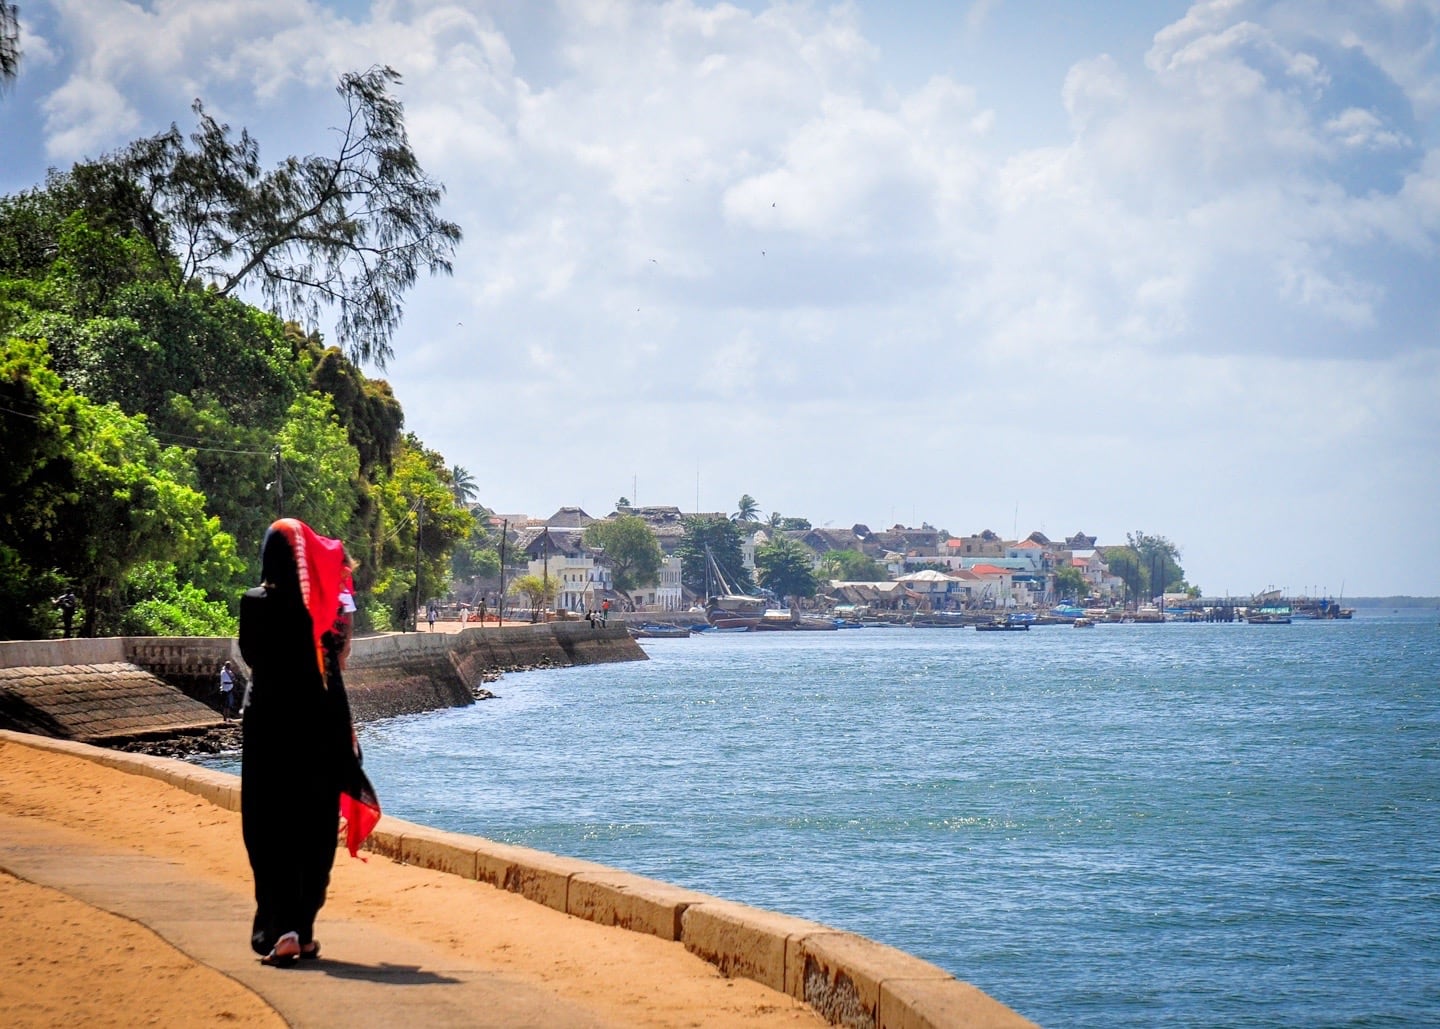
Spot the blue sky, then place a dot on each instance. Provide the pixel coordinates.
(1104, 267)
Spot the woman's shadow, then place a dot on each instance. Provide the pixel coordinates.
(394, 975)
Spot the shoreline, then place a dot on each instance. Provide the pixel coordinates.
(538, 965)
(626, 950)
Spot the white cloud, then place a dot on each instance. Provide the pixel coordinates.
(680, 212)
(1357, 129)
(86, 116)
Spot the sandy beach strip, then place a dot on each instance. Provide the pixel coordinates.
(404, 934)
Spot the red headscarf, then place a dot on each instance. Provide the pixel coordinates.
(324, 573)
(322, 567)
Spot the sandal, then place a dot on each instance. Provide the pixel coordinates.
(310, 951)
(285, 951)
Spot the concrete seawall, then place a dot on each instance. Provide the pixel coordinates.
(848, 979)
(117, 689)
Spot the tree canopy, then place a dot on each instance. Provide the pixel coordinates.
(852, 566)
(785, 568)
(153, 426)
(724, 541)
(351, 230)
(746, 509)
(1149, 565)
(630, 551)
(1070, 583)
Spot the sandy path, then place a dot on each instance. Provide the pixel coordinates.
(66, 962)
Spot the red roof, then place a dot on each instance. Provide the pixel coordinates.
(989, 570)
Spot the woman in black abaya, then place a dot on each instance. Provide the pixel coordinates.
(300, 762)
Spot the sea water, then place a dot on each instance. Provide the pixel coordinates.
(1161, 825)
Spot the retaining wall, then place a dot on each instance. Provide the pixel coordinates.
(117, 688)
(848, 979)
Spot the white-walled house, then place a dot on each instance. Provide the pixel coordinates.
(665, 594)
(561, 556)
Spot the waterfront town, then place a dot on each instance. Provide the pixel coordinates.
(923, 576)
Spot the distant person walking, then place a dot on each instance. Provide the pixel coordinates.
(605, 612)
(431, 613)
(300, 760)
(227, 689)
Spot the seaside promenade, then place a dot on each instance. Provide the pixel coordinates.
(125, 889)
(125, 901)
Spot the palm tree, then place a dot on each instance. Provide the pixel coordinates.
(774, 520)
(462, 485)
(746, 509)
(9, 42)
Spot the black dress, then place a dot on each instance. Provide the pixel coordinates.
(297, 756)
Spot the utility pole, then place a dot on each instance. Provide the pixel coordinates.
(419, 523)
(545, 594)
(500, 601)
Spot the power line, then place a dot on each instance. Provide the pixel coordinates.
(190, 442)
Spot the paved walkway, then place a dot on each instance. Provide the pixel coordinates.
(386, 978)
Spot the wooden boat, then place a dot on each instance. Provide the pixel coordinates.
(658, 631)
(1084, 623)
(727, 603)
(723, 624)
(1003, 624)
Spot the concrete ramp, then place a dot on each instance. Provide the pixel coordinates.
(97, 703)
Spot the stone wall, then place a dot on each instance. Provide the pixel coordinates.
(411, 672)
(113, 689)
(189, 663)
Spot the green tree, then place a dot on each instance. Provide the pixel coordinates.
(320, 467)
(1070, 583)
(462, 485)
(162, 601)
(475, 557)
(631, 551)
(538, 592)
(852, 566)
(414, 527)
(182, 393)
(1124, 563)
(746, 509)
(1149, 565)
(722, 538)
(94, 497)
(794, 524)
(773, 522)
(366, 407)
(786, 568)
(352, 230)
(1160, 559)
